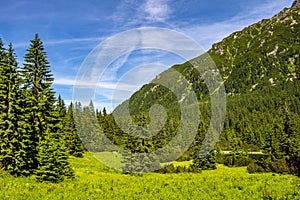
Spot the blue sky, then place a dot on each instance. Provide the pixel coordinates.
(70, 30)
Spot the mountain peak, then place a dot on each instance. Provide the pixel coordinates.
(296, 4)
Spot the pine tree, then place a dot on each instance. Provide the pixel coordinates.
(204, 157)
(61, 109)
(272, 144)
(205, 163)
(52, 158)
(45, 130)
(38, 81)
(73, 142)
(12, 142)
(291, 145)
(2, 49)
(88, 127)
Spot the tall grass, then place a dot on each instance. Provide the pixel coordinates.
(96, 181)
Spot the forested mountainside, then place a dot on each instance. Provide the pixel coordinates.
(260, 66)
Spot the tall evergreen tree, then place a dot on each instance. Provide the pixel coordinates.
(2, 49)
(61, 108)
(38, 81)
(12, 146)
(43, 118)
(205, 163)
(272, 145)
(73, 142)
(291, 145)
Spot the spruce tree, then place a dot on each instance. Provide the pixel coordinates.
(12, 142)
(61, 109)
(38, 81)
(205, 163)
(291, 145)
(44, 119)
(2, 49)
(52, 158)
(73, 142)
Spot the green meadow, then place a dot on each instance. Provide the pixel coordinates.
(96, 181)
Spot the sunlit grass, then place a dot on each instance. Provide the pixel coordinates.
(96, 181)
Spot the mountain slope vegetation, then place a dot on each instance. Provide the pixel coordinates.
(260, 66)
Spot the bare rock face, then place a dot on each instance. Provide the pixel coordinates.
(296, 4)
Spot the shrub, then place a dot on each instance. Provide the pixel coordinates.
(254, 167)
(259, 166)
(279, 166)
(238, 161)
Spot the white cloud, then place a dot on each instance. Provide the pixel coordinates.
(132, 13)
(156, 10)
(103, 85)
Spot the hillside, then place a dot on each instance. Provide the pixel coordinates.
(260, 66)
(263, 54)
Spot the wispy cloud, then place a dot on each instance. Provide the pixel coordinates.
(156, 10)
(131, 13)
(103, 85)
(95, 40)
(114, 91)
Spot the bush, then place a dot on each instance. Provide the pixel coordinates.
(279, 166)
(238, 161)
(254, 167)
(259, 166)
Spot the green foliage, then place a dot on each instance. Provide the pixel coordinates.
(14, 144)
(237, 160)
(51, 163)
(255, 167)
(30, 128)
(38, 81)
(72, 140)
(291, 145)
(87, 127)
(276, 166)
(52, 159)
(205, 163)
(279, 166)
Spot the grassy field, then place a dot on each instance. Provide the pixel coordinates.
(96, 181)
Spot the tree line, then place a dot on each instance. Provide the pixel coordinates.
(38, 132)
